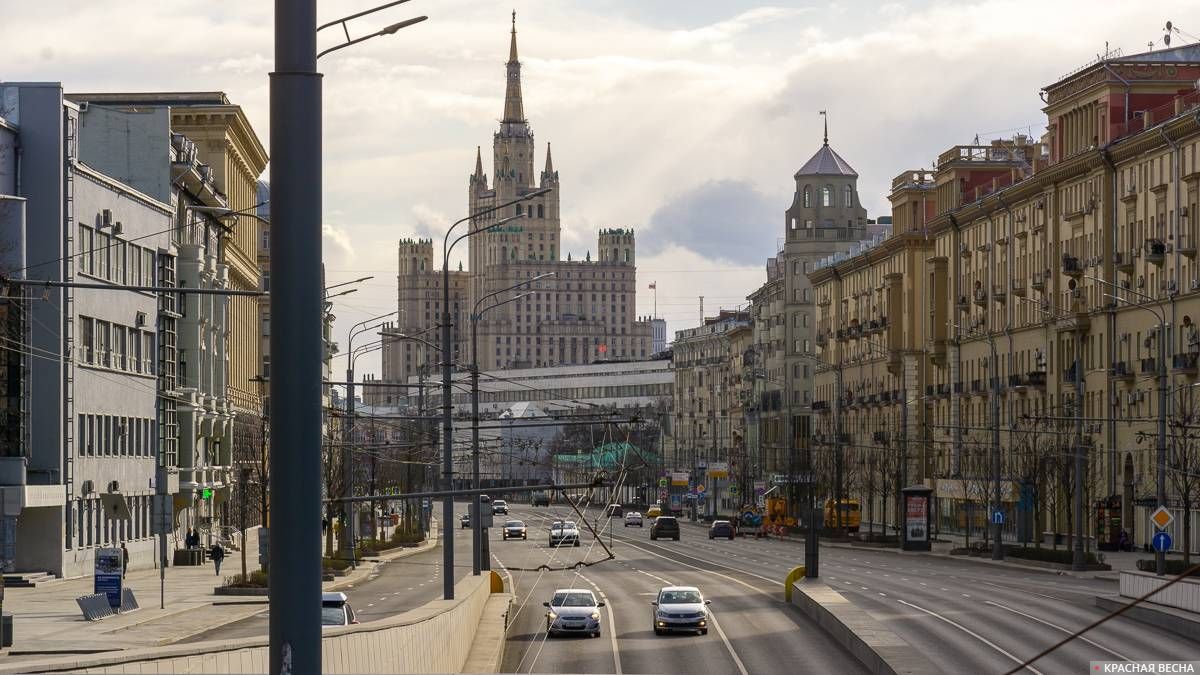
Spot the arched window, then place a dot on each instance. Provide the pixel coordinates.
(541, 211)
(793, 223)
(847, 197)
(826, 196)
(807, 197)
(518, 209)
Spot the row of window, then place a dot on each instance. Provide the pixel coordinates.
(827, 196)
(569, 393)
(111, 345)
(114, 436)
(95, 528)
(110, 258)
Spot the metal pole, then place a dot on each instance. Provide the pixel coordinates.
(348, 469)
(1077, 559)
(447, 439)
(997, 527)
(477, 525)
(296, 305)
(903, 474)
(1160, 557)
(837, 456)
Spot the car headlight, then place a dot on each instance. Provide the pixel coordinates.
(595, 616)
(552, 616)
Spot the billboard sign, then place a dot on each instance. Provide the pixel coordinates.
(718, 470)
(679, 479)
(915, 517)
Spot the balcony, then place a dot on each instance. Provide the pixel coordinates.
(1018, 287)
(958, 388)
(1122, 370)
(963, 303)
(822, 339)
(1148, 366)
(1156, 251)
(1036, 378)
(978, 387)
(1124, 262)
(820, 406)
(1068, 374)
(1038, 282)
(980, 297)
(1000, 293)
(943, 390)
(1184, 363)
(1071, 266)
(885, 397)
(929, 390)
(1186, 245)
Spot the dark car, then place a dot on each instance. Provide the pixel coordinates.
(464, 520)
(514, 529)
(665, 527)
(721, 528)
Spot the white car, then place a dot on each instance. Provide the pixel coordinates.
(499, 506)
(633, 518)
(680, 609)
(573, 610)
(564, 532)
(336, 610)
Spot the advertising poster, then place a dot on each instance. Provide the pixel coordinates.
(107, 578)
(916, 518)
(679, 479)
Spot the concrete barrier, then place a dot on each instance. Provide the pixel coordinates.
(876, 647)
(434, 638)
(1183, 594)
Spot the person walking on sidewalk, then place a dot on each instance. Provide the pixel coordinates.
(124, 560)
(217, 554)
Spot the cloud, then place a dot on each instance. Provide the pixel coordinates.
(337, 246)
(724, 31)
(725, 220)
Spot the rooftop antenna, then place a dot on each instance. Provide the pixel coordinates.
(826, 118)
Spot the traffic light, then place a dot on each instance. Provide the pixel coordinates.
(206, 494)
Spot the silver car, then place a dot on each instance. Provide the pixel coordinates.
(563, 532)
(573, 610)
(680, 609)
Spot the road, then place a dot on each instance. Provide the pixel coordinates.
(394, 588)
(752, 630)
(965, 616)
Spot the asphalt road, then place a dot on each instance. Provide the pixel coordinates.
(752, 630)
(965, 616)
(394, 588)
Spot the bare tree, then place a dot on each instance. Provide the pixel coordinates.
(1183, 459)
(976, 481)
(1032, 443)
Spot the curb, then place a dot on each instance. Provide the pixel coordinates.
(879, 649)
(1174, 621)
(431, 542)
(487, 650)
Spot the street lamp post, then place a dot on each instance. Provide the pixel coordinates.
(478, 560)
(447, 404)
(1160, 558)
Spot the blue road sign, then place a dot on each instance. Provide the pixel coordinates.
(997, 517)
(1161, 542)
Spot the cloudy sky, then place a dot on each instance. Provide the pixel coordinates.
(684, 119)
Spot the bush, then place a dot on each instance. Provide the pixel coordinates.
(1061, 556)
(338, 564)
(256, 579)
(1173, 567)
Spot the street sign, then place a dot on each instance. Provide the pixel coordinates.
(700, 489)
(164, 514)
(997, 517)
(733, 490)
(760, 486)
(662, 482)
(108, 565)
(1161, 542)
(1161, 518)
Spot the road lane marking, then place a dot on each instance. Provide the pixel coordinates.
(729, 646)
(973, 634)
(1022, 590)
(1059, 628)
(612, 626)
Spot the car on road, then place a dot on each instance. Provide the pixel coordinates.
(500, 506)
(680, 609)
(514, 529)
(540, 498)
(615, 510)
(665, 527)
(563, 532)
(573, 610)
(336, 610)
(721, 528)
(654, 511)
(464, 521)
(633, 518)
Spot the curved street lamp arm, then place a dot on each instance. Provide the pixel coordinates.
(475, 313)
(344, 19)
(446, 246)
(386, 31)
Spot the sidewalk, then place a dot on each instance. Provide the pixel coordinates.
(48, 621)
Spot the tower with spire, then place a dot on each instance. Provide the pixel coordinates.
(586, 311)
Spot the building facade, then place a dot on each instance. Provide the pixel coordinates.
(583, 313)
(1030, 288)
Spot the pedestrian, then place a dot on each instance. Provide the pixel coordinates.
(217, 554)
(124, 560)
(1123, 543)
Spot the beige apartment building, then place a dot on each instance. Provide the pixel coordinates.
(1007, 260)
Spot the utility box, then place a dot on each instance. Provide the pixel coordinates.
(918, 518)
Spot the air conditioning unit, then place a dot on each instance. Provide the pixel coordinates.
(87, 487)
(114, 486)
(140, 321)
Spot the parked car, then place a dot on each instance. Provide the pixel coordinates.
(633, 518)
(721, 528)
(564, 532)
(573, 610)
(680, 608)
(500, 506)
(665, 527)
(336, 610)
(464, 521)
(540, 498)
(514, 529)
(654, 511)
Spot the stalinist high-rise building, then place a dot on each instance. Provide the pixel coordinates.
(586, 312)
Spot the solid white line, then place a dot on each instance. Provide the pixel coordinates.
(1060, 628)
(973, 634)
(612, 625)
(741, 667)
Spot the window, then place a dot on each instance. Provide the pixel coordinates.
(136, 362)
(804, 295)
(148, 277)
(103, 343)
(87, 346)
(541, 211)
(847, 197)
(807, 197)
(826, 196)
(118, 271)
(119, 343)
(101, 255)
(808, 224)
(266, 366)
(85, 249)
(804, 320)
(148, 353)
(135, 265)
(266, 239)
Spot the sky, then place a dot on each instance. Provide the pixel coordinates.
(683, 119)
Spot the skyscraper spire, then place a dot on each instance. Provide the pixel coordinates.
(478, 162)
(549, 161)
(514, 110)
